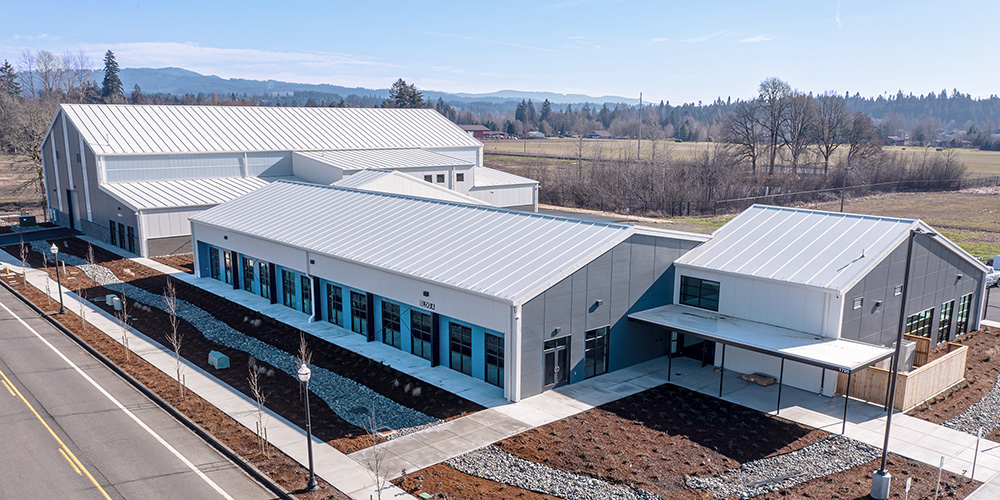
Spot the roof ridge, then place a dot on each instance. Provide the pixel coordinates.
(830, 212)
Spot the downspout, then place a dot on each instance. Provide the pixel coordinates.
(512, 390)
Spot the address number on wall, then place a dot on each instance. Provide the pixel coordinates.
(427, 305)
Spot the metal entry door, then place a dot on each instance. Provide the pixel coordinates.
(556, 362)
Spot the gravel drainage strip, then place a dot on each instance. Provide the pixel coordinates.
(984, 413)
(824, 457)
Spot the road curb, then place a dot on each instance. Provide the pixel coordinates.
(234, 457)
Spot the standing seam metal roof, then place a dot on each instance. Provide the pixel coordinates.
(112, 129)
(505, 254)
(826, 250)
(151, 195)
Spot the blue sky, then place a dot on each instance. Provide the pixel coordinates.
(677, 51)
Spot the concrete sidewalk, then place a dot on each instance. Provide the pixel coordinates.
(338, 469)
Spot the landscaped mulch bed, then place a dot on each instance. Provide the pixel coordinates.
(283, 390)
(183, 262)
(279, 467)
(651, 440)
(982, 369)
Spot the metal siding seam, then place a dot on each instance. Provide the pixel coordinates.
(55, 172)
(66, 155)
(783, 247)
(845, 248)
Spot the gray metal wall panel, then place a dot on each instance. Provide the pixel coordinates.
(169, 246)
(177, 166)
(637, 274)
(933, 281)
(269, 164)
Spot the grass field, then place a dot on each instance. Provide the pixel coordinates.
(984, 162)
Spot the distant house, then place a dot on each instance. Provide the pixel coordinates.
(535, 135)
(895, 140)
(476, 131)
(599, 134)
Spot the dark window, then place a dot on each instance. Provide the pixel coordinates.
(121, 235)
(944, 323)
(213, 262)
(334, 304)
(460, 177)
(228, 256)
(57, 154)
(962, 318)
(429, 178)
(494, 360)
(596, 352)
(114, 241)
(265, 280)
(920, 324)
(460, 347)
(288, 288)
(390, 324)
(420, 334)
(700, 293)
(307, 303)
(248, 274)
(78, 158)
(440, 178)
(131, 239)
(359, 313)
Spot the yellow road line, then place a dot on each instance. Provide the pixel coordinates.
(63, 445)
(71, 464)
(8, 388)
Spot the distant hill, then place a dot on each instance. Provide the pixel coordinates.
(179, 81)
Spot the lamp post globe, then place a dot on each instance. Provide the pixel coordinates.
(304, 373)
(55, 255)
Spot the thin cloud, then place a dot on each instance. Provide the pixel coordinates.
(583, 42)
(486, 40)
(756, 39)
(706, 38)
(659, 40)
(836, 16)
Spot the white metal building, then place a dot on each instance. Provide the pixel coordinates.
(131, 175)
(521, 300)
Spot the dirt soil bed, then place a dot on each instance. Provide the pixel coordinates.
(653, 439)
(275, 464)
(183, 262)
(283, 390)
(982, 369)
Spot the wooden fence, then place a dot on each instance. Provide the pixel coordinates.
(922, 351)
(912, 388)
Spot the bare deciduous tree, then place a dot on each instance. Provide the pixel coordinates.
(260, 396)
(798, 130)
(774, 94)
(832, 125)
(863, 140)
(375, 456)
(744, 130)
(175, 337)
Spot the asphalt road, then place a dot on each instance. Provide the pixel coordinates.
(72, 429)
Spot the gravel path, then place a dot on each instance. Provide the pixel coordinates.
(497, 465)
(824, 457)
(984, 413)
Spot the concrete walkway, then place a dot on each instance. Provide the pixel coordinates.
(334, 467)
(911, 437)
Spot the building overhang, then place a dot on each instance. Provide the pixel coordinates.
(845, 356)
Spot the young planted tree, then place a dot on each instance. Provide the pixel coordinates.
(375, 456)
(260, 396)
(124, 321)
(174, 336)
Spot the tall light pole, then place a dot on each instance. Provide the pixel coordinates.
(55, 255)
(882, 478)
(304, 374)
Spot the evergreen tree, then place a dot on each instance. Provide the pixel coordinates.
(546, 111)
(111, 89)
(402, 95)
(8, 80)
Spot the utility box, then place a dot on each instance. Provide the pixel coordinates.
(218, 360)
(109, 299)
(116, 302)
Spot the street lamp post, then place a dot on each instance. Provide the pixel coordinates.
(55, 255)
(304, 374)
(882, 478)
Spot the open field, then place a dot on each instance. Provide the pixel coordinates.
(976, 162)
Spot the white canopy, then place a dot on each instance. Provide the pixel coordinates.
(842, 355)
